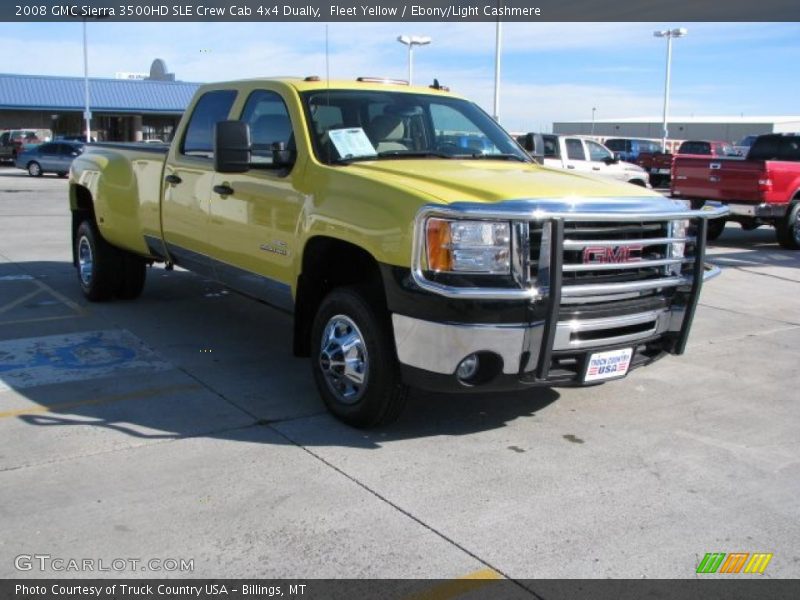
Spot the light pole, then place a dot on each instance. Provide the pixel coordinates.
(87, 115)
(594, 109)
(411, 41)
(498, 41)
(669, 34)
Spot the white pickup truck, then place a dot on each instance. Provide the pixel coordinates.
(585, 155)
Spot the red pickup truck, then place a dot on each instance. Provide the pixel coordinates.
(659, 164)
(763, 189)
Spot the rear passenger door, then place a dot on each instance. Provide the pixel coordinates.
(575, 155)
(49, 158)
(189, 176)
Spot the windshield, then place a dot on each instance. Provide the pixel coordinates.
(348, 125)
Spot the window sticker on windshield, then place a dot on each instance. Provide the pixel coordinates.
(351, 142)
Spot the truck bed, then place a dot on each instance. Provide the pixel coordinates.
(732, 179)
(132, 194)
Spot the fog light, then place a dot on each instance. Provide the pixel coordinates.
(468, 367)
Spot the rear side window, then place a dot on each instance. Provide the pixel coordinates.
(551, 146)
(790, 148)
(49, 148)
(575, 150)
(765, 148)
(616, 145)
(209, 110)
(695, 148)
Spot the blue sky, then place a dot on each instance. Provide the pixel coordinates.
(550, 71)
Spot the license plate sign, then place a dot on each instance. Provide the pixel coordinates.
(608, 365)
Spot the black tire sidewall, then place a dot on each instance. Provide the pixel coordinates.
(105, 264)
(383, 378)
(716, 228)
(785, 233)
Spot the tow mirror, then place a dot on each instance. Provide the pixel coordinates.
(231, 147)
(534, 145)
(281, 157)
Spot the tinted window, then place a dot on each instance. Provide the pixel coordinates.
(597, 152)
(575, 150)
(49, 148)
(209, 110)
(269, 122)
(616, 145)
(70, 149)
(790, 148)
(695, 148)
(551, 149)
(765, 148)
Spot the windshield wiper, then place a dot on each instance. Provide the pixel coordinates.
(484, 156)
(395, 154)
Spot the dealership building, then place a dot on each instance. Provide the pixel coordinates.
(132, 107)
(725, 129)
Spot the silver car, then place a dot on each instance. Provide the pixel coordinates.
(50, 157)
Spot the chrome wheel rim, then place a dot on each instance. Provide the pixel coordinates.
(85, 261)
(34, 169)
(796, 229)
(343, 359)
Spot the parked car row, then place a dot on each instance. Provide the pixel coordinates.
(52, 157)
(582, 154)
(14, 141)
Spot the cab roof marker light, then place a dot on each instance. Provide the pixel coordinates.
(384, 80)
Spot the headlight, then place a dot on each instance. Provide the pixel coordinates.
(468, 246)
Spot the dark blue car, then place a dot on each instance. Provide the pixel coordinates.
(629, 149)
(50, 157)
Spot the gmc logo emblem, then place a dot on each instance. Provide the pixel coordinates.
(601, 255)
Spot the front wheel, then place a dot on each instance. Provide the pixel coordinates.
(787, 229)
(34, 169)
(353, 359)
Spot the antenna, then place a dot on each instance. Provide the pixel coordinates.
(327, 59)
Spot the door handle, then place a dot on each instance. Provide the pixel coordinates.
(223, 190)
(570, 166)
(595, 168)
(173, 179)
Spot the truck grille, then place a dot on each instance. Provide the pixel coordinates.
(600, 260)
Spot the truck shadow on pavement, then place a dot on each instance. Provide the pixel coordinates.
(757, 248)
(187, 359)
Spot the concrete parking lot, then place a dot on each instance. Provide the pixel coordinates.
(179, 426)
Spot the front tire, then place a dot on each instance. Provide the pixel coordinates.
(34, 169)
(353, 359)
(787, 230)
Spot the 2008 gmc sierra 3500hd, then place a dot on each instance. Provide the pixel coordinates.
(414, 241)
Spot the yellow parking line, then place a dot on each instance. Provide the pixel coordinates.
(461, 585)
(138, 395)
(19, 301)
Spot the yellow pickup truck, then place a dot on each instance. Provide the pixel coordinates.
(414, 241)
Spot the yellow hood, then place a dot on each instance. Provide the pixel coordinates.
(483, 180)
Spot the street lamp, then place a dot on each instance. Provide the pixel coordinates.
(411, 41)
(498, 43)
(87, 114)
(594, 109)
(669, 34)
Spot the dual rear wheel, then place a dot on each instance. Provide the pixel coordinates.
(105, 272)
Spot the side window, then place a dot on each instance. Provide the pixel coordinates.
(575, 149)
(551, 146)
(4, 139)
(790, 148)
(209, 110)
(764, 148)
(616, 145)
(597, 153)
(268, 118)
(48, 148)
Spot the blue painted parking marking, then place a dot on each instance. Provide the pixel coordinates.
(52, 359)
